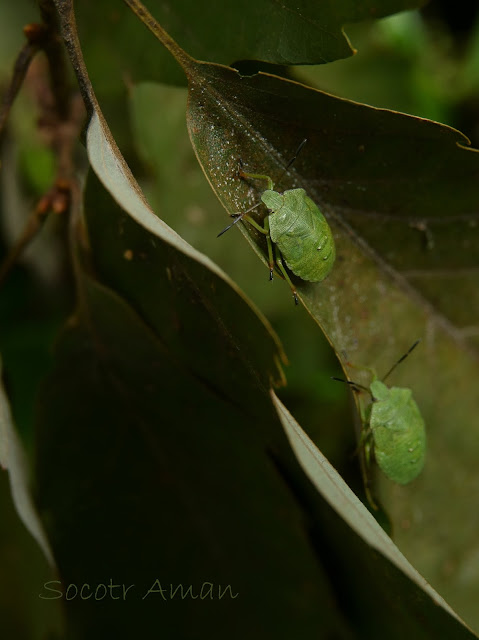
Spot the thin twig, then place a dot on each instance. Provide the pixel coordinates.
(35, 34)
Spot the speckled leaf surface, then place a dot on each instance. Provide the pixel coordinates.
(401, 196)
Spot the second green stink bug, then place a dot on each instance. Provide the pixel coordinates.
(296, 232)
(394, 429)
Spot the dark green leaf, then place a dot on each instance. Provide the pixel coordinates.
(160, 477)
(291, 32)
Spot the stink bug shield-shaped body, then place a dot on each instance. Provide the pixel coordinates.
(296, 231)
(398, 432)
(301, 233)
(393, 428)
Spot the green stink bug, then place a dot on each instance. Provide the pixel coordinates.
(393, 428)
(296, 232)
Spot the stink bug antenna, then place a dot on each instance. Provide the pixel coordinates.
(297, 152)
(238, 217)
(401, 359)
(355, 385)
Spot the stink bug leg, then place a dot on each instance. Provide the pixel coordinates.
(280, 264)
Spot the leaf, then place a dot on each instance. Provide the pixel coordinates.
(13, 459)
(168, 484)
(191, 278)
(24, 571)
(365, 182)
(361, 166)
(421, 607)
(291, 32)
